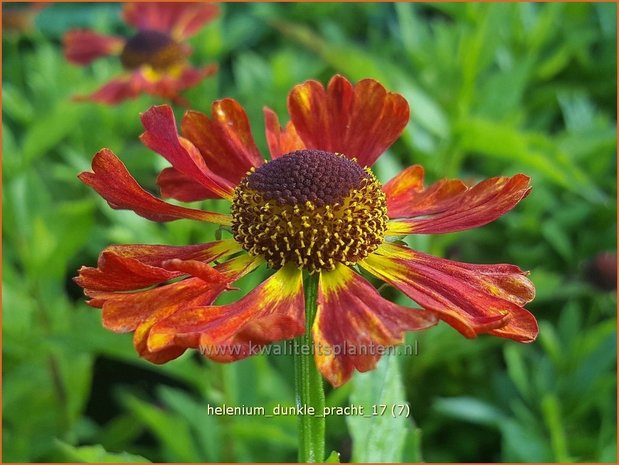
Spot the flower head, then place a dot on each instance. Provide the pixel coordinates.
(312, 208)
(315, 206)
(154, 58)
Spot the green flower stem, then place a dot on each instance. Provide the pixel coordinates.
(308, 383)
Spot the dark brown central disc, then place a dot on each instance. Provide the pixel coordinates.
(310, 207)
(320, 177)
(153, 48)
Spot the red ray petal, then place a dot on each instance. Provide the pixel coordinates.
(196, 268)
(161, 136)
(83, 46)
(112, 181)
(124, 87)
(182, 20)
(175, 185)
(166, 85)
(359, 121)
(170, 84)
(407, 197)
(125, 311)
(474, 299)
(354, 325)
(471, 208)
(225, 140)
(144, 309)
(271, 312)
(130, 267)
(139, 311)
(280, 141)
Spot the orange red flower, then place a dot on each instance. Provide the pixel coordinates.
(154, 58)
(315, 207)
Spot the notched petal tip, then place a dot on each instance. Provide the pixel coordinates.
(360, 121)
(163, 108)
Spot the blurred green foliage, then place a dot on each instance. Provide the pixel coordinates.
(494, 89)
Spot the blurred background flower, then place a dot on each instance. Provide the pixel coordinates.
(154, 57)
(19, 17)
(494, 89)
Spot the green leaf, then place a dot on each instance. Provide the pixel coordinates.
(48, 130)
(196, 416)
(556, 236)
(334, 457)
(532, 151)
(96, 454)
(171, 430)
(469, 409)
(412, 449)
(550, 342)
(379, 435)
(599, 361)
(76, 372)
(523, 444)
(15, 105)
(120, 432)
(428, 113)
(517, 370)
(543, 30)
(555, 423)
